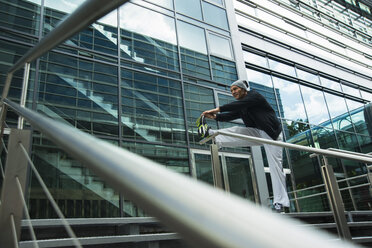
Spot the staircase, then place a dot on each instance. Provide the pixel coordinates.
(359, 222)
(133, 232)
(146, 232)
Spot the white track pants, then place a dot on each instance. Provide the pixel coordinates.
(274, 157)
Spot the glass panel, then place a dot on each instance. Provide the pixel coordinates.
(215, 15)
(174, 158)
(366, 95)
(191, 8)
(78, 191)
(240, 178)
(152, 108)
(22, 16)
(350, 90)
(282, 68)
(224, 71)
(165, 3)
(203, 168)
(193, 51)
(289, 98)
(220, 46)
(197, 99)
(151, 42)
(338, 111)
(330, 83)
(315, 106)
(79, 92)
(191, 37)
(255, 59)
(220, 2)
(152, 24)
(259, 78)
(307, 76)
(361, 117)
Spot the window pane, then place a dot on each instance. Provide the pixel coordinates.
(165, 3)
(338, 111)
(282, 68)
(255, 59)
(366, 95)
(152, 108)
(307, 76)
(190, 8)
(152, 24)
(215, 15)
(191, 37)
(330, 83)
(350, 90)
(315, 106)
(220, 46)
(259, 78)
(359, 112)
(289, 98)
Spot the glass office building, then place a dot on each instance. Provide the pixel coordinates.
(140, 76)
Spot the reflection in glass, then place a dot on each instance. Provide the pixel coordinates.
(255, 59)
(197, 99)
(259, 78)
(165, 3)
(191, 37)
(338, 111)
(361, 117)
(215, 15)
(194, 57)
(220, 46)
(203, 168)
(78, 191)
(350, 90)
(152, 24)
(191, 8)
(240, 178)
(152, 108)
(79, 92)
(282, 68)
(330, 83)
(315, 106)
(367, 95)
(293, 107)
(151, 42)
(23, 16)
(224, 71)
(307, 76)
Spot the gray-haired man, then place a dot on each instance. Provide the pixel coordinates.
(260, 121)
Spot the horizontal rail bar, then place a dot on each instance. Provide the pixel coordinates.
(203, 215)
(85, 14)
(337, 154)
(350, 152)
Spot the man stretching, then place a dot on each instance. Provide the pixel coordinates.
(260, 121)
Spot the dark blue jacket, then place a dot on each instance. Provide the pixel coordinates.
(255, 111)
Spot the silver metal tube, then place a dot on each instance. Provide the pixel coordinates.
(26, 75)
(87, 13)
(324, 152)
(203, 215)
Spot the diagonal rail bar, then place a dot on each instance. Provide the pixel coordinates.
(360, 157)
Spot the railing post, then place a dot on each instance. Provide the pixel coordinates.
(11, 203)
(26, 75)
(335, 199)
(216, 166)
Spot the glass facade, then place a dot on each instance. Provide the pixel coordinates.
(140, 77)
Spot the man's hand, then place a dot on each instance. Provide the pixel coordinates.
(211, 114)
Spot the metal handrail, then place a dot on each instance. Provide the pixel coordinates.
(204, 216)
(360, 157)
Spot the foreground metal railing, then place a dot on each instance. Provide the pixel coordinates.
(330, 182)
(203, 215)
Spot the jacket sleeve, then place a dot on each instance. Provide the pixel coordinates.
(228, 116)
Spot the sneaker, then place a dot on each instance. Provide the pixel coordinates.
(203, 128)
(279, 208)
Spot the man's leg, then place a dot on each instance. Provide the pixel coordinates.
(227, 141)
(274, 156)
